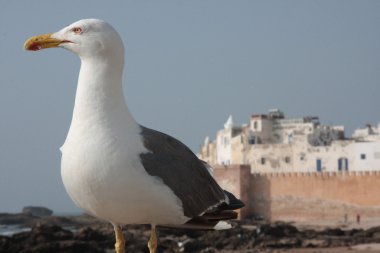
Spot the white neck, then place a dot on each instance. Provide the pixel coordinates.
(99, 101)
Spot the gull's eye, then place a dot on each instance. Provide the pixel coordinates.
(77, 30)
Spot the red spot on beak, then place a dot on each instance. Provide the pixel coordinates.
(34, 46)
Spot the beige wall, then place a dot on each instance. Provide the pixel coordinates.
(270, 158)
(235, 179)
(316, 195)
(302, 196)
(237, 156)
(208, 153)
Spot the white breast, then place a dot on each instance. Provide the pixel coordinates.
(103, 175)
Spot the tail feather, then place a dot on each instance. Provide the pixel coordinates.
(216, 218)
(209, 221)
(233, 202)
(221, 215)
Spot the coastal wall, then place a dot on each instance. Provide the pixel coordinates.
(237, 180)
(303, 196)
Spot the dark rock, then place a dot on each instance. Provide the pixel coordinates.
(209, 250)
(38, 211)
(64, 247)
(16, 219)
(309, 233)
(86, 234)
(44, 238)
(5, 243)
(371, 231)
(194, 246)
(43, 234)
(376, 235)
(280, 230)
(355, 232)
(334, 232)
(192, 233)
(51, 220)
(79, 246)
(284, 243)
(168, 245)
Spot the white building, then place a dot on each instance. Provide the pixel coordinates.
(368, 133)
(224, 147)
(272, 143)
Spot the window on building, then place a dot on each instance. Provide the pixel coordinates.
(263, 160)
(287, 159)
(302, 157)
(252, 140)
(342, 164)
(319, 165)
(363, 156)
(255, 125)
(290, 138)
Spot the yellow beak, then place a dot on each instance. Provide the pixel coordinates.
(41, 42)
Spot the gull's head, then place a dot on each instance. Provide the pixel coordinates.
(86, 38)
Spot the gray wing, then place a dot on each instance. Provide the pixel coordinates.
(182, 171)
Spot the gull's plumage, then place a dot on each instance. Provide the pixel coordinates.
(112, 167)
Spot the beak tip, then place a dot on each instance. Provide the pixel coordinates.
(31, 46)
(39, 42)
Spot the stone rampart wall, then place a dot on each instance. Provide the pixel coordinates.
(302, 196)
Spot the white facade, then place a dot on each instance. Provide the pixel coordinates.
(368, 133)
(272, 143)
(366, 156)
(224, 142)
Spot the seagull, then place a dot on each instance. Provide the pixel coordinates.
(118, 170)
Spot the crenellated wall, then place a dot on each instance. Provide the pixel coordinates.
(301, 196)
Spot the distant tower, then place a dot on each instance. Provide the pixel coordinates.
(229, 123)
(207, 140)
(224, 142)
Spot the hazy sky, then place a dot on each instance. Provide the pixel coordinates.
(189, 64)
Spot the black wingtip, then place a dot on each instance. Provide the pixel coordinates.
(234, 204)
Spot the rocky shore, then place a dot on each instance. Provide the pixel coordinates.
(86, 234)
